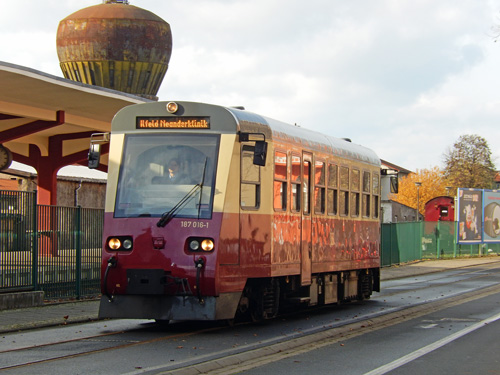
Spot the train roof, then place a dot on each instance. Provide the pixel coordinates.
(311, 139)
(245, 121)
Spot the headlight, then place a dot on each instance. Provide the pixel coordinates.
(194, 245)
(114, 243)
(119, 243)
(127, 244)
(172, 107)
(207, 245)
(200, 244)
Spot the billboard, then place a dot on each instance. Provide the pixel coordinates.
(491, 204)
(470, 216)
(478, 216)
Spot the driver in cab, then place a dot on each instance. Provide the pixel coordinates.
(173, 176)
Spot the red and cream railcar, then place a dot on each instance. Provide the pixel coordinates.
(263, 215)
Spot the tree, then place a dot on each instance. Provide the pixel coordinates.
(433, 184)
(468, 164)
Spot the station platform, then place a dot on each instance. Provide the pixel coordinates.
(84, 311)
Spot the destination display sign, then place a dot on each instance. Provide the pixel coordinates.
(173, 123)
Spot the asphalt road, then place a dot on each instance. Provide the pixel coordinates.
(460, 339)
(444, 321)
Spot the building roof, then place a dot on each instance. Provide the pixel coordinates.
(388, 165)
(36, 107)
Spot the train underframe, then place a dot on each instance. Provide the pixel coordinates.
(266, 298)
(262, 298)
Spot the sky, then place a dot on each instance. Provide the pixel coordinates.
(404, 78)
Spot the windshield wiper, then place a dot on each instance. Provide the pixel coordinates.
(167, 216)
(201, 187)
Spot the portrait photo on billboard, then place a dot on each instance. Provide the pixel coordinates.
(470, 216)
(491, 216)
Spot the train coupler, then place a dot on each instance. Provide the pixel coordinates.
(199, 264)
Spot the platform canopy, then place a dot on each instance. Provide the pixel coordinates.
(46, 121)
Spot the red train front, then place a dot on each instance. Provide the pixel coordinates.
(213, 212)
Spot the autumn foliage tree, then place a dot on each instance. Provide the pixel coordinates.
(468, 163)
(433, 184)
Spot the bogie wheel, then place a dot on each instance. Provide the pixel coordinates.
(264, 300)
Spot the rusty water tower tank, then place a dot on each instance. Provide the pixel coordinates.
(115, 45)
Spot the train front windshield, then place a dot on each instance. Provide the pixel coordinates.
(164, 172)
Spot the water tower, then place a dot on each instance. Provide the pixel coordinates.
(115, 45)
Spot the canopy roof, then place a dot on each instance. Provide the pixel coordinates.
(46, 121)
(35, 107)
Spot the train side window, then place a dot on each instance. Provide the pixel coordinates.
(355, 182)
(376, 194)
(366, 194)
(332, 193)
(295, 182)
(319, 187)
(307, 187)
(250, 180)
(344, 191)
(280, 181)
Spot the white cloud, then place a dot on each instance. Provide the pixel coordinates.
(405, 78)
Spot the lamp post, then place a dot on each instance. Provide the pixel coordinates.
(418, 184)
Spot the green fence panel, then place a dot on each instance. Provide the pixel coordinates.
(70, 252)
(16, 245)
(92, 222)
(408, 237)
(400, 242)
(50, 248)
(439, 240)
(409, 241)
(389, 253)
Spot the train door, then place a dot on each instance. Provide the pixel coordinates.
(306, 231)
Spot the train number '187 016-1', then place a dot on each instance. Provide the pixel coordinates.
(194, 224)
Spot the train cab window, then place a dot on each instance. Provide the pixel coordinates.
(319, 187)
(295, 183)
(366, 194)
(280, 181)
(355, 182)
(159, 171)
(344, 191)
(250, 179)
(332, 193)
(376, 194)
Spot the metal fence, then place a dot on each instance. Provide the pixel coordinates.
(50, 248)
(410, 241)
